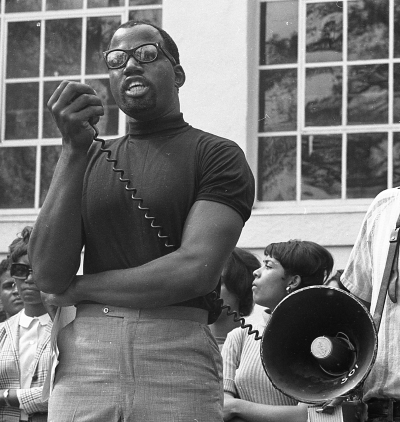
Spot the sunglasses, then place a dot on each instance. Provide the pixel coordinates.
(146, 53)
(20, 271)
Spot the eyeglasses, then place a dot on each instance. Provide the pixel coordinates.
(20, 271)
(145, 53)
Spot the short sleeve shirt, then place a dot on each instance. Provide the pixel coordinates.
(170, 166)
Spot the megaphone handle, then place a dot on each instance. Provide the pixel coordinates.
(343, 412)
(334, 414)
(329, 407)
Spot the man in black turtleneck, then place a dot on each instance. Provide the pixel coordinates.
(139, 348)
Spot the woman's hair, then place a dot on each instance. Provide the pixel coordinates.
(19, 246)
(238, 278)
(312, 262)
(4, 266)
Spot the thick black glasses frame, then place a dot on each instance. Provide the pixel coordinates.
(131, 53)
(14, 270)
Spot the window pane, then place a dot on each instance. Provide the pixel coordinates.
(321, 166)
(23, 5)
(396, 93)
(150, 15)
(278, 100)
(108, 124)
(368, 94)
(50, 156)
(17, 177)
(99, 33)
(23, 49)
(277, 169)
(366, 164)
(63, 47)
(396, 159)
(22, 110)
(105, 3)
(324, 37)
(50, 129)
(279, 32)
(138, 2)
(323, 105)
(396, 52)
(368, 29)
(62, 4)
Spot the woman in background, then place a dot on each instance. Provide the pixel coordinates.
(236, 291)
(249, 394)
(24, 344)
(9, 296)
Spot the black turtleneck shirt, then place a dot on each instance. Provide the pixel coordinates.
(171, 165)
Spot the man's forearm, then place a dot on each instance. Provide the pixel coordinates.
(164, 281)
(55, 245)
(210, 234)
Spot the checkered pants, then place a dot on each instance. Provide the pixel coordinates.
(119, 364)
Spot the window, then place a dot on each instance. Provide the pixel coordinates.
(45, 42)
(329, 99)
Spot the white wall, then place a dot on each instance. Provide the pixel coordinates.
(218, 44)
(10, 226)
(212, 39)
(336, 230)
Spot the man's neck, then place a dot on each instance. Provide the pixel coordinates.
(35, 310)
(149, 116)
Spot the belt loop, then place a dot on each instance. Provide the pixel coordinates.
(390, 410)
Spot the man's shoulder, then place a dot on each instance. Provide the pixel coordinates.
(389, 194)
(384, 201)
(211, 138)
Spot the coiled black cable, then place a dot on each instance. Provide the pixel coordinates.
(236, 317)
(132, 190)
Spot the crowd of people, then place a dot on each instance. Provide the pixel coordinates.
(24, 338)
(139, 335)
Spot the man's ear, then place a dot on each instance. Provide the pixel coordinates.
(180, 76)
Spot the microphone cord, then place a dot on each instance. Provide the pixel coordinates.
(131, 190)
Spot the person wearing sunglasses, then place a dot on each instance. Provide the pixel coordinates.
(9, 295)
(140, 348)
(24, 344)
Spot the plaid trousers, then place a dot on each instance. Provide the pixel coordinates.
(119, 364)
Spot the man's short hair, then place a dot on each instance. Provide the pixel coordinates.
(169, 43)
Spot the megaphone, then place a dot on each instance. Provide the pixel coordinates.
(319, 344)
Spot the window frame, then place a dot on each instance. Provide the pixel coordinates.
(322, 205)
(40, 16)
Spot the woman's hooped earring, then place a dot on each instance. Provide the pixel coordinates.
(288, 290)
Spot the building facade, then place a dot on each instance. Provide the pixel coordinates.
(307, 88)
